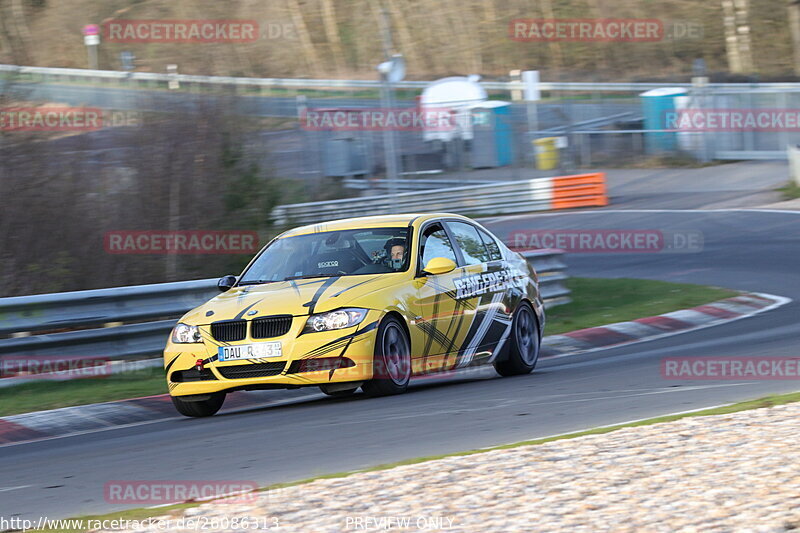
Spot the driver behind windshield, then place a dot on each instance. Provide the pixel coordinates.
(396, 253)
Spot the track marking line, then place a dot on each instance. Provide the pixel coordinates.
(146, 422)
(8, 489)
(510, 402)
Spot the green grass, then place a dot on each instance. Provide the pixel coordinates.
(53, 394)
(790, 191)
(595, 302)
(768, 401)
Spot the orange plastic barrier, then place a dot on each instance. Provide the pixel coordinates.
(581, 190)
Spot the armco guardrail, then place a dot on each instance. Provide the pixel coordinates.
(118, 323)
(539, 194)
(55, 75)
(155, 309)
(70, 310)
(550, 267)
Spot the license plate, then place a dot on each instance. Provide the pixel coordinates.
(250, 351)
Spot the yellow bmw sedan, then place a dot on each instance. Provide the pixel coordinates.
(359, 303)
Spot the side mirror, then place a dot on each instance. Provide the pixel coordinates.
(439, 265)
(226, 282)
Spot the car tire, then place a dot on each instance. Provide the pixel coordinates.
(337, 393)
(199, 408)
(392, 360)
(525, 341)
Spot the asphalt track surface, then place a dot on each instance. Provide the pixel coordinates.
(309, 435)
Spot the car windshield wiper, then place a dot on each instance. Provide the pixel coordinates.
(256, 282)
(311, 276)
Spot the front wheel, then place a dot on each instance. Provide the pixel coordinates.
(199, 408)
(392, 360)
(524, 350)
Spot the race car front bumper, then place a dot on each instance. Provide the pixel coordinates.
(318, 358)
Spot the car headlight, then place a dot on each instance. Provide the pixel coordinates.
(186, 334)
(339, 319)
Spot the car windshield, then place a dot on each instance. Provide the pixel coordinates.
(332, 253)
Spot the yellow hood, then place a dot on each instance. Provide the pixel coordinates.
(294, 297)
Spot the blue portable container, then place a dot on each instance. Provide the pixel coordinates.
(656, 104)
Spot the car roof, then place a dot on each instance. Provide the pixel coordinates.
(381, 221)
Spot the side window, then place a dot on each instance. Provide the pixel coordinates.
(470, 242)
(491, 244)
(434, 243)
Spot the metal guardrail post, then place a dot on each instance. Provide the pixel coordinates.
(551, 269)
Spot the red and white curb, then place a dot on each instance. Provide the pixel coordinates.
(654, 327)
(82, 419)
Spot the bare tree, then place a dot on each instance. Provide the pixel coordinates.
(735, 19)
(793, 7)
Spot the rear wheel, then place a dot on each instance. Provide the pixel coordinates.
(524, 349)
(199, 408)
(392, 360)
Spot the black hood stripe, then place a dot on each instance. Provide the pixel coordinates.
(313, 303)
(246, 309)
(354, 286)
(295, 287)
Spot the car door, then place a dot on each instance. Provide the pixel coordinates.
(439, 316)
(483, 285)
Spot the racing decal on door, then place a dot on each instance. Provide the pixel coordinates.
(486, 282)
(492, 322)
(489, 321)
(447, 307)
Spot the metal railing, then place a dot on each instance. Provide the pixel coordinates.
(119, 323)
(551, 269)
(68, 75)
(74, 74)
(134, 322)
(496, 198)
(564, 108)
